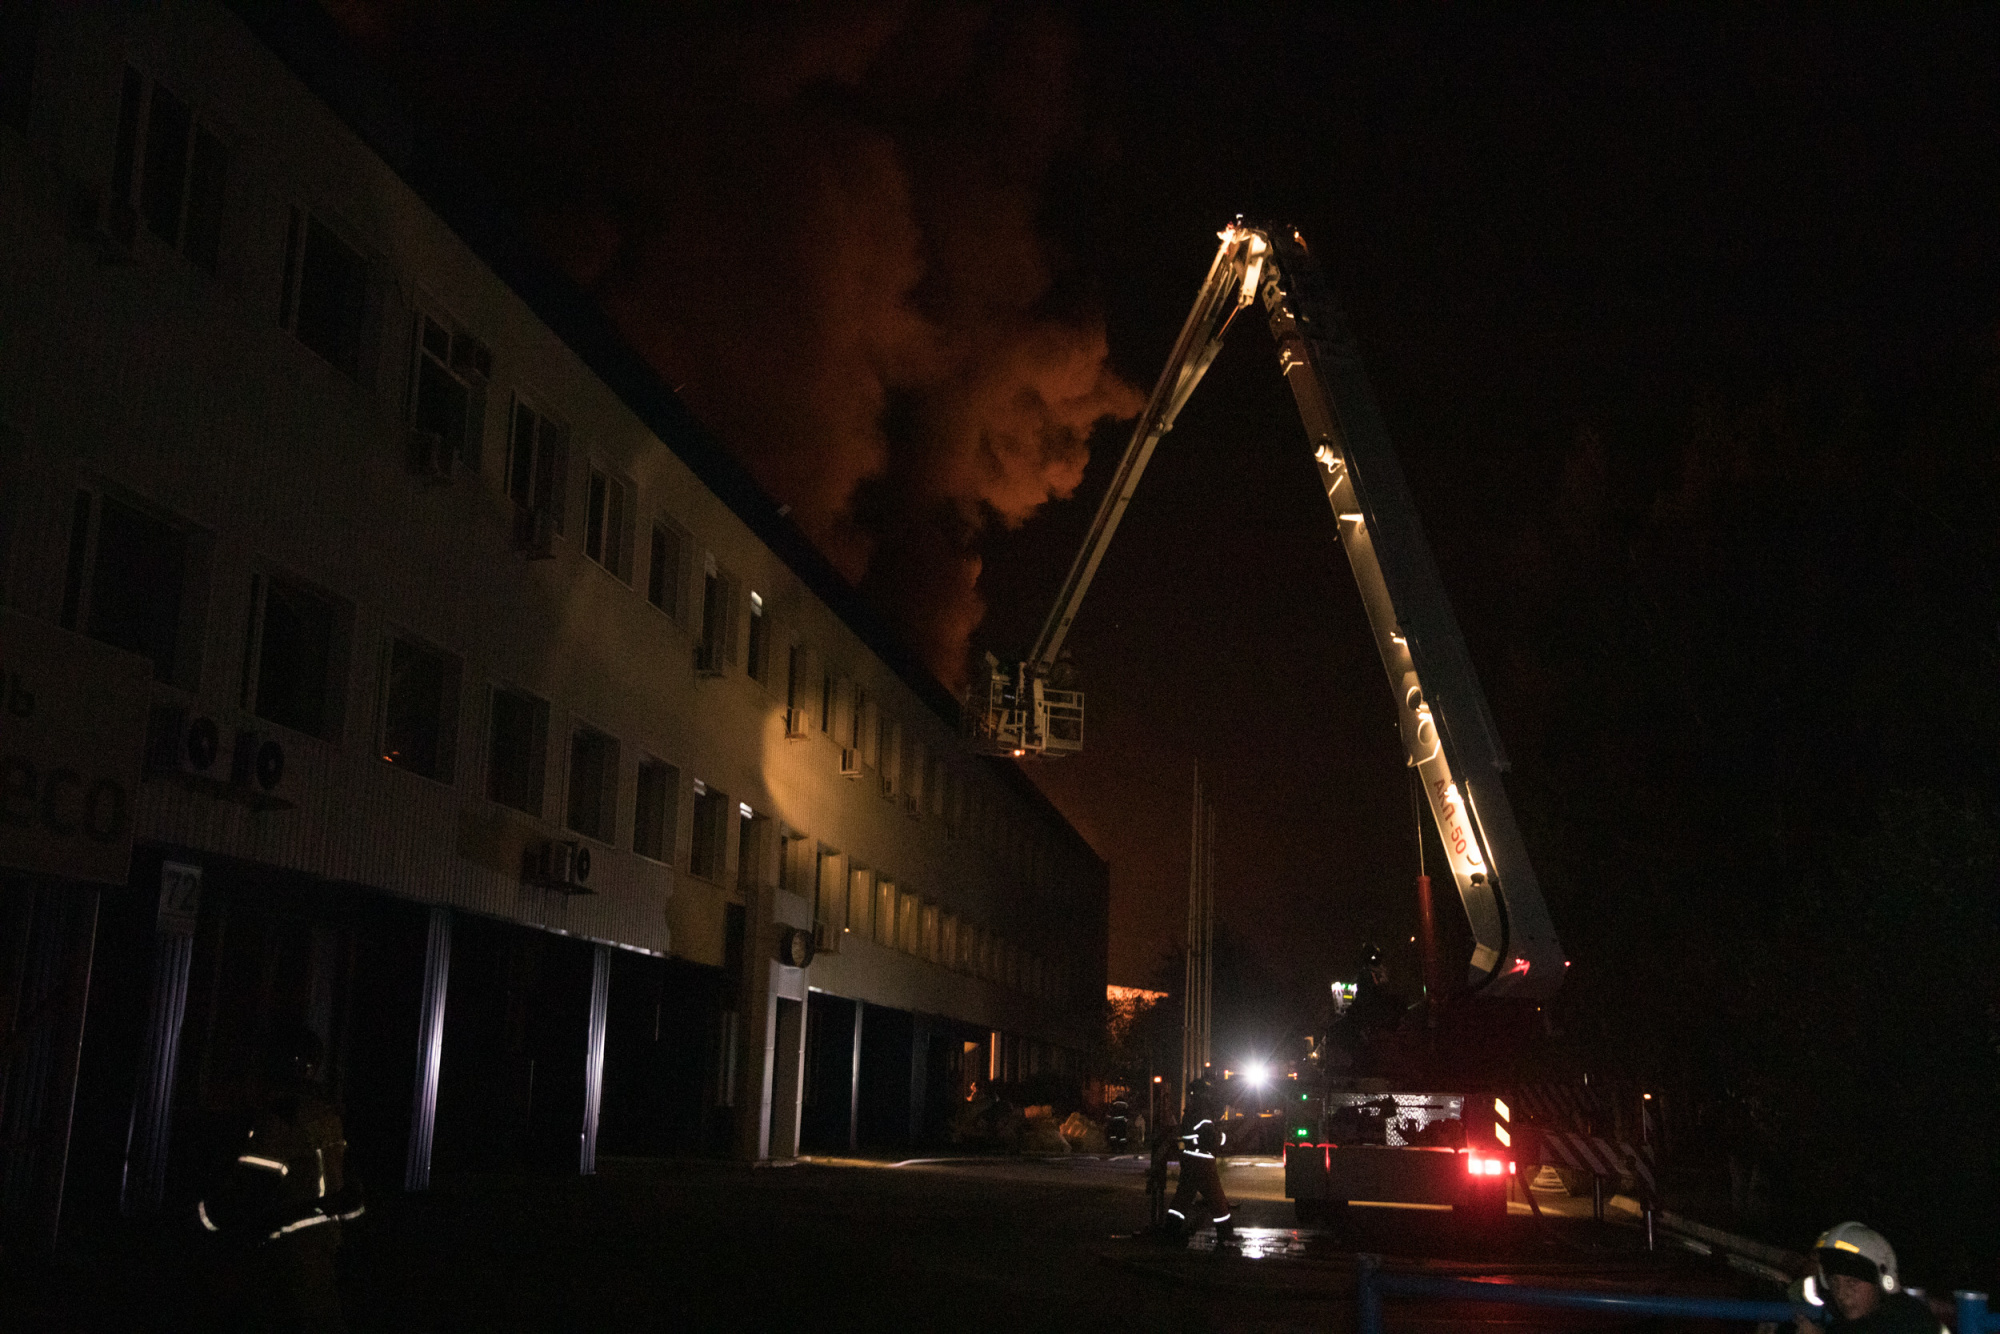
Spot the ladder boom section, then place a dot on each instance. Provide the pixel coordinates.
(1230, 286)
(1447, 733)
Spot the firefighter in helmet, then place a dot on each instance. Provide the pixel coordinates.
(1855, 1289)
(1201, 1139)
(285, 1197)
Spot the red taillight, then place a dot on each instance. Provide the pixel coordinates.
(1483, 1167)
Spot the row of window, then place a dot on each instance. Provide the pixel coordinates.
(170, 169)
(920, 778)
(852, 902)
(127, 585)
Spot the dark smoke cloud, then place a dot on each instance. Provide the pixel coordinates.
(821, 224)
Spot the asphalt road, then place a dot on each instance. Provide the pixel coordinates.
(958, 1244)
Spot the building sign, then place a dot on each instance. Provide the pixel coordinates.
(180, 898)
(72, 738)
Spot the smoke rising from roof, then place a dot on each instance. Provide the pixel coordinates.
(821, 225)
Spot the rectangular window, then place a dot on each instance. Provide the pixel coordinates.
(172, 168)
(537, 463)
(909, 924)
(750, 847)
(295, 657)
(604, 532)
(655, 810)
(128, 583)
(796, 863)
(325, 299)
(826, 690)
(859, 895)
(711, 826)
(948, 940)
(420, 709)
(716, 649)
(516, 750)
(667, 569)
(885, 912)
(448, 388)
(829, 884)
(759, 639)
(593, 783)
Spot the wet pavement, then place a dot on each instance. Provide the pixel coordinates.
(835, 1244)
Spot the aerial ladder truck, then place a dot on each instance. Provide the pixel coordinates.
(1357, 1139)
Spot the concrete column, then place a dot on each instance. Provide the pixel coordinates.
(768, 1121)
(854, 1085)
(593, 1057)
(430, 1050)
(150, 1132)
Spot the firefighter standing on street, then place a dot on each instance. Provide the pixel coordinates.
(286, 1195)
(1201, 1138)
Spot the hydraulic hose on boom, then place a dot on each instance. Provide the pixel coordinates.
(1447, 734)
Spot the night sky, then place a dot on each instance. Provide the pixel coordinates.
(1548, 227)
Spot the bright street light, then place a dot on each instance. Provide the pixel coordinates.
(1257, 1073)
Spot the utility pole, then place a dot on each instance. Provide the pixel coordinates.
(1195, 1054)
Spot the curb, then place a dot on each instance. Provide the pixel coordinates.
(1773, 1261)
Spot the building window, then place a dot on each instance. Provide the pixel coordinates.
(749, 847)
(909, 923)
(171, 168)
(759, 639)
(948, 940)
(127, 584)
(711, 826)
(593, 784)
(448, 388)
(829, 885)
(419, 709)
(885, 913)
(859, 894)
(667, 569)
(826, 693)
(927, 929)
(293, 657)
(655, 810)
(537, 463)
(717, 647)
(605, 538)
(795, 862)
(325, 298)
(516, 750)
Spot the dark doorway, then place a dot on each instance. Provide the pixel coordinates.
(510, 1091)
(823, 1125)
(664, 1091)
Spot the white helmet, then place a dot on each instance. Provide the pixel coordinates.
(1859, 1252)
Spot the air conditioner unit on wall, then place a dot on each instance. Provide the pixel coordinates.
(910, 805)
(850, 762)
(558, 864)
(257, 771)
(708, 659)
(535, 533)
(795, 725)
(183, 745)
(245, 765)
(429, 456)
(826, 938)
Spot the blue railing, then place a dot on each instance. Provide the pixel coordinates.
(1973, 1317)
(1371, 1283)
